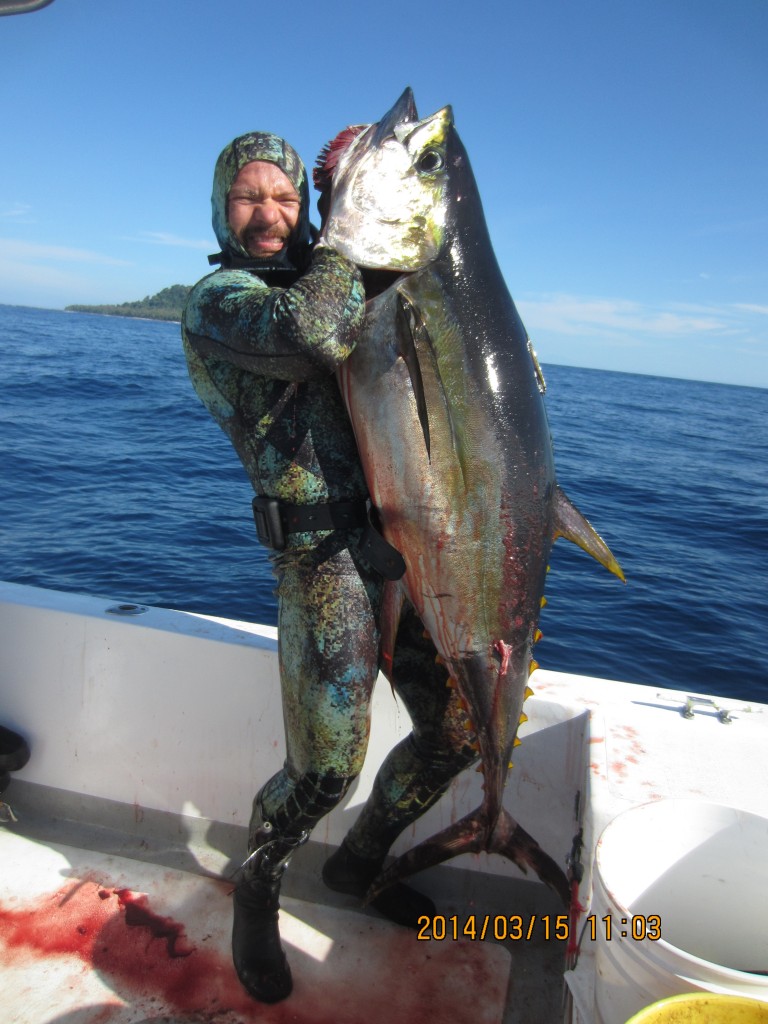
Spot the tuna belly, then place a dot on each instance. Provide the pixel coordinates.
(424, 510)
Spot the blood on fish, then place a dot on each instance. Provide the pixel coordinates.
(504, 651)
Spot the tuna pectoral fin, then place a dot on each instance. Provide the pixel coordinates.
(407, 326)
(415, 347)
(572, 525)
(470, 835)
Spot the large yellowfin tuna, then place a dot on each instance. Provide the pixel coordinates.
(446, 399)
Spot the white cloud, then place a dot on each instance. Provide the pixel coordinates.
(164, 238)
(36, 283)
(752, 308)
(724, 342)
(53, 275)
(15, 211)
(12, 249)
(573, 314)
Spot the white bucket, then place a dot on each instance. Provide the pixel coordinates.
(697, 872)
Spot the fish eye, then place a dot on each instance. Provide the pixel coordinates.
(431, 160)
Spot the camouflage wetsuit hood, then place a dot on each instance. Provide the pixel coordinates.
(270, 149)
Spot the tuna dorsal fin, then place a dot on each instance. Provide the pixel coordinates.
(572, 525)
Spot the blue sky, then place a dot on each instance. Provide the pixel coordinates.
(620, 149)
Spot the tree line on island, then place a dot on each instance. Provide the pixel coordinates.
(166, 305)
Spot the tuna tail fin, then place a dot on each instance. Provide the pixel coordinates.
(471, 835)
(572, 525)
(513, 842)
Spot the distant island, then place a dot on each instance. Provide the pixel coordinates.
(166, 305)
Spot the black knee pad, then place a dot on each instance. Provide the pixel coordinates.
(312, 798)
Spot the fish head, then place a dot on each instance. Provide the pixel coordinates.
(389, 203)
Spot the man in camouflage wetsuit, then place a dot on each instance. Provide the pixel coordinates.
(263, 335)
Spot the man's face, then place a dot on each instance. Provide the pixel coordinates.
(262, 208)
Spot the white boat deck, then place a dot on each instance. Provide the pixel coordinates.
(149, 735)
(95, 937)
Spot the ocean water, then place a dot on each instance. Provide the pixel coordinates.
(114, 481)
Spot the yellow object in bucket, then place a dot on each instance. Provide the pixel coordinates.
(703, 1008)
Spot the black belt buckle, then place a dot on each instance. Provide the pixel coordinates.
(269, 524)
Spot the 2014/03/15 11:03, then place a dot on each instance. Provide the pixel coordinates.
(517, 927)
